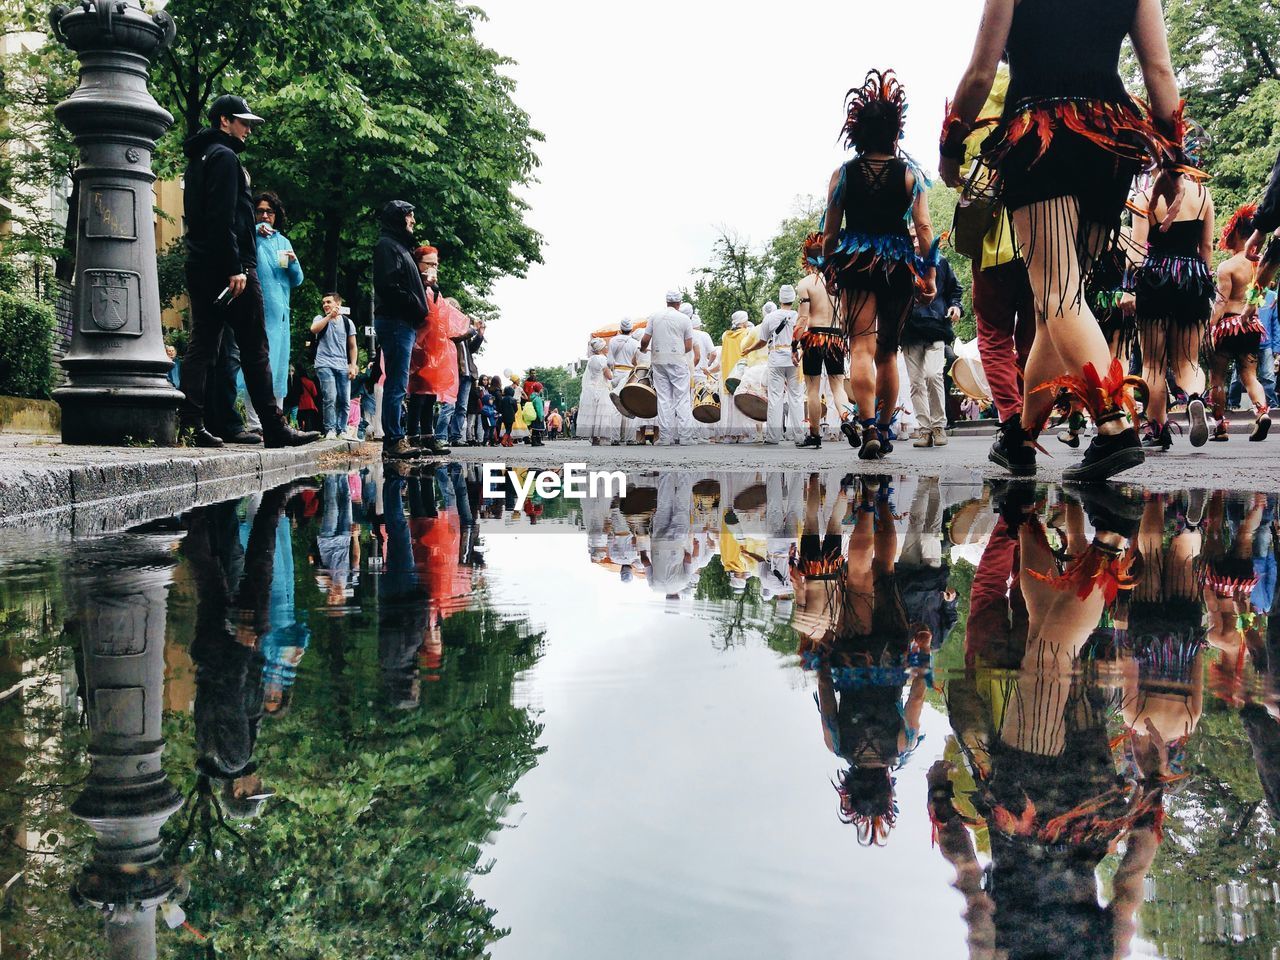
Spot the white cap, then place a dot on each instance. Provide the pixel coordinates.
(697, 322)
(687, 309)
(596, 344)
(740, 318)
(787, 294)
(770, 307)
(673, 296)
(625, 325)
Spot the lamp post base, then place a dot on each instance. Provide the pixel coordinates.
(110, 416)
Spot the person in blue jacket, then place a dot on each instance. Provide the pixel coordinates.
(279, 272)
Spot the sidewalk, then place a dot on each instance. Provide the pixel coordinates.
(96, 489)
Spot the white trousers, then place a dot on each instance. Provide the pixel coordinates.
(675, 403)
(786, 392)
(925, 362)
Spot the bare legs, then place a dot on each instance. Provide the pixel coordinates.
(1055, 249)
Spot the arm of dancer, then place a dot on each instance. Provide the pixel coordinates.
(834, 216)
(975, 86)
(1151, 44)
(924, 238)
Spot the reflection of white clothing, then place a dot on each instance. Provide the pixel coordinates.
(675, 404)
(784, 504)
(670, 572)
(786, 392)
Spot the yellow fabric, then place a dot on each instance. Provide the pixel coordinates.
(997, 245)
(731, 551)
(732, 344)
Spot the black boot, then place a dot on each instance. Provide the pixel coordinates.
(285, 436)
(811, 441)
(201, 437)
(1012, 451)
(1113, 509)
(1013, 501)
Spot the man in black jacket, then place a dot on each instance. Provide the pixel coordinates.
(924, 338)
(222, 273)
(399, 308)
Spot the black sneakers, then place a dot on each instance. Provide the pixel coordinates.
(1261, 427)
(1197, 422)
(1107, 456)
(1012, 451)
(812, 441)
(850, 432)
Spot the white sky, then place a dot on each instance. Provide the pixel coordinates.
(666, 119)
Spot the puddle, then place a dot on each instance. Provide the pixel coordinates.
(727, 715)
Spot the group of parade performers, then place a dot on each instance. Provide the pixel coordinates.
(1095, 218)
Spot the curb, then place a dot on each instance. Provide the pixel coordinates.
(113, 488)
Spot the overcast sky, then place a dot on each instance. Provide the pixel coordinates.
(667, 119)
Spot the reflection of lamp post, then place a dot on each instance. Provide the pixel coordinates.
(117, 384)
(119, 586)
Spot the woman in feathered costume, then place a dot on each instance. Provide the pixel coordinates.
(1063, 158)
(869, 260)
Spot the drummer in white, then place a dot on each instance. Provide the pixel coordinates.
(785, 388)
(669, 337)
(623, 349)
(705, 371)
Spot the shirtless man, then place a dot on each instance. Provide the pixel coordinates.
(825, 345)
(1234, 332)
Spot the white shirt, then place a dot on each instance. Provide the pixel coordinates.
(623, 350)
(595, 369)
(706, 347)
(778, 329)
(668, 329)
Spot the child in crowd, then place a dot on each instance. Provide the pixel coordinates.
(489, 414)
(507, 410)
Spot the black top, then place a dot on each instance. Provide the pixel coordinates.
(217, 206)
(1182, 239)
(398, 292)
(1059, 49)
(928, 322)
(876, 198)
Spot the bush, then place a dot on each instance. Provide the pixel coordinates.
(26, 347)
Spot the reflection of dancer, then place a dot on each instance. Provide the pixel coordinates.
(1044, 781)
(856, 636)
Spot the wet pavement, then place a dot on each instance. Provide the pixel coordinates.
(727, 714)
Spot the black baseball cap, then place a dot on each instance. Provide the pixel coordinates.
(229, 105)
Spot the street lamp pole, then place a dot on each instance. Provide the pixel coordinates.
(117, 372)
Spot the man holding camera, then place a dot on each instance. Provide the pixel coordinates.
(222, 273)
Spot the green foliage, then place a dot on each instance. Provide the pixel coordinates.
(559, 388)
(36, 153)
(734, 280)
(171, 267)
(942, 210)
(365, 103)
(26, 342)
(1223, 54)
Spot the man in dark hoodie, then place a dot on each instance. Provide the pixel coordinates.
(222, 273)
(399, 308)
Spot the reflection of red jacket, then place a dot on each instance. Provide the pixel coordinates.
(434, 363)
(437, 543)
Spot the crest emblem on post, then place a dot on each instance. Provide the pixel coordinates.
(109, 302)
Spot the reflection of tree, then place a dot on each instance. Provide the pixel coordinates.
(368, 847)
(1220, 852)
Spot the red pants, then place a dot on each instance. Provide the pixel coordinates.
(1006, 320)
(996, 634)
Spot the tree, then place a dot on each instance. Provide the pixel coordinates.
(734, 280)
(368, 102)
(36, 153)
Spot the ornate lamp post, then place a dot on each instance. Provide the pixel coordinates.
(117, 386)
(119, 588)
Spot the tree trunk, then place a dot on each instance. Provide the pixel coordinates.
(329, 256)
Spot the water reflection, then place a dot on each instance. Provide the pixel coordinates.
(1051, 717)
